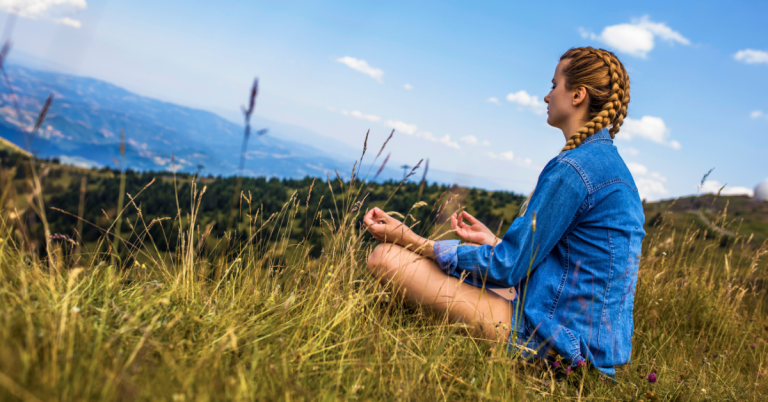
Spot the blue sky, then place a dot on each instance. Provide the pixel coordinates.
(462, 83)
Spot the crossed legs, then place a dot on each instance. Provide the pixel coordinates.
(420, 281)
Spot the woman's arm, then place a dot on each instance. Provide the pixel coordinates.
(559, 197)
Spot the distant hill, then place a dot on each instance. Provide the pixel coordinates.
(87, 115)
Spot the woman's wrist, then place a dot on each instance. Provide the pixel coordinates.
(418, 244)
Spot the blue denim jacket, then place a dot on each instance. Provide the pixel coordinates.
(583, 258)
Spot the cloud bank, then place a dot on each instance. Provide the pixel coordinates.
(363, 67)
(637, 38)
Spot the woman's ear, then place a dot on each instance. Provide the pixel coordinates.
(579, 96)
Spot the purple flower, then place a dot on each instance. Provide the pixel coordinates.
(760, 374)
(652, 378)
(580, 363)
(753, 346)
(568, 370)
(556, 364)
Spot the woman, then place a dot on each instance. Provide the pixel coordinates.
(572, 258)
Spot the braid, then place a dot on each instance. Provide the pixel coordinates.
(608, 102)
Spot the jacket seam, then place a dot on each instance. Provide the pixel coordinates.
(580, 172)
(563, 279)
(614, 181)
(575, 349)
(603, 322)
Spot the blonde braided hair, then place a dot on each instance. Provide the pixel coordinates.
(603, 76)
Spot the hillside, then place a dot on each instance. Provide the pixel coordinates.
(87, 116)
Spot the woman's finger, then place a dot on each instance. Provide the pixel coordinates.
(368, 218)
(469, 217)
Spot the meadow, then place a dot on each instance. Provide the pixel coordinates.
(257, 312)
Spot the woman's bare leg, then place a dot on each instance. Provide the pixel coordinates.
(422, 282)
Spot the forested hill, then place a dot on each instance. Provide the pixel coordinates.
(62, 190)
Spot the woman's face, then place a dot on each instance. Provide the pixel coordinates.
(560, 101)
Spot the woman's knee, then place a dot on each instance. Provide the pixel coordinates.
(377, 261)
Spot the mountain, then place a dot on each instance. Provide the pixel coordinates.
(86, 118)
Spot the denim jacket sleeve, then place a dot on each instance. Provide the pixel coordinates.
(559, 196)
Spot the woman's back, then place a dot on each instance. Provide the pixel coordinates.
(580, 296)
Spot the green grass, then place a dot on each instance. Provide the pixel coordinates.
(267, 322)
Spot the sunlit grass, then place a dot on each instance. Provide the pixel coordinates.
(267, 322)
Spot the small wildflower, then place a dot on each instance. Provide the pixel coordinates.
(753, 346)
(556, 364)
(330, 274)
(703, 391)
(664, 253)
(580, 363)
(237, 259)
(760, 374)
(75, 309)
(652, 378)
(301, 271)
(143, 266)
(136, 263)
(568, 370)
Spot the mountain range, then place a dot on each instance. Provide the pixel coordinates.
(86, 117)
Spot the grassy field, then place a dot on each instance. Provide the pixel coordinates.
(267, 321)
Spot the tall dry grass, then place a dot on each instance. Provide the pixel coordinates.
(266, 322)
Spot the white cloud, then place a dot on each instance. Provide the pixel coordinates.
(45, 9)
(507, 156)
(751, 56)
(630, 151)
(446, 139)
(402, 126)
(637, 169)
(362, 66)
(470, 139)
(408, 87)
(636, 38)
(510, 156)
(650, 189)
(37, 8)
(79, 161)
(713, 186)
(486, 143)
(648, 128)
(412, 129)
(70, 22)
(524, 162)
(360, 115)
(522, 98)
(650, 185)
(493, 100)
(758, 114)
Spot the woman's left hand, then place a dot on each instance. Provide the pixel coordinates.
(385, 228)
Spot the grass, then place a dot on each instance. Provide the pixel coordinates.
(267, 322)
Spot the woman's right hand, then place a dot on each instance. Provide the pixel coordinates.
(474, 232)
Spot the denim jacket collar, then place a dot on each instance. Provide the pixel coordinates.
(601, 135)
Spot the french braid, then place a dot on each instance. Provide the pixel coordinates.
(603, 76)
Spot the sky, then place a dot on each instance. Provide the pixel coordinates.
(462, 83)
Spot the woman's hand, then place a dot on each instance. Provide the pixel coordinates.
(474, 232)
(385, 228)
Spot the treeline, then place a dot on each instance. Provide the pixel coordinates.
(169, 197)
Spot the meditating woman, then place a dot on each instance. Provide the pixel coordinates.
(571, 258)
